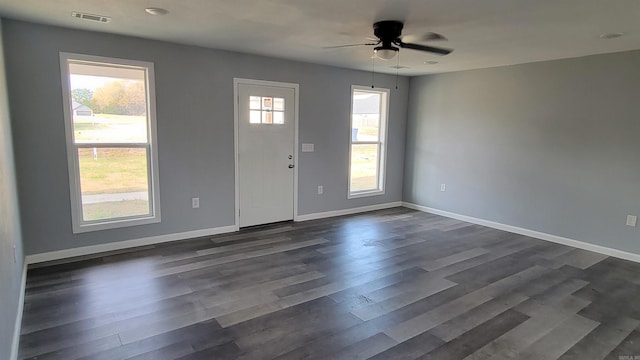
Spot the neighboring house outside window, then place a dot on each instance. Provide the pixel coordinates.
(81, 109)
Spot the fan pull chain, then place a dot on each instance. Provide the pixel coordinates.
(373, 70)
(397, 68)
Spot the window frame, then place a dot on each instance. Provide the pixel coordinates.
(78, 223)
(382, 141)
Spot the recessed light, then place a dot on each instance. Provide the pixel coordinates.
(611, 35)
(431, 62)
(156, 11)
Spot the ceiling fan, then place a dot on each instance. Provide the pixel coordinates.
(389, 41)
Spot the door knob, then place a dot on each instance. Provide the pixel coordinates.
(291, 166)
(290, 157)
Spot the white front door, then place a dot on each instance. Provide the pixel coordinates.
(266, 137)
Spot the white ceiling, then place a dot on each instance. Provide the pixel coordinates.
(484, 33)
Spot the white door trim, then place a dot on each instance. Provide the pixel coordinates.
(296, 88)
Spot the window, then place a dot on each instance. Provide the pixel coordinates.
(109, 107)
(369, 108)
(266, 110)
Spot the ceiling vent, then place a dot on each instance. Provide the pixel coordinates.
(91, 17)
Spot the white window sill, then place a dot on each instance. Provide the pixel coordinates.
(365, 194)
(115, 224)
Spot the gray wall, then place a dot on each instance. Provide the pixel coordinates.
(10, 270)
(195, 129)
(550, 146)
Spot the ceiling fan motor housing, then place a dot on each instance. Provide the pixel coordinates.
(388, 32)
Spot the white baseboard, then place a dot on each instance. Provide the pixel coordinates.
(15, 344)
(531, 233)
(95, 249)
(333, 213)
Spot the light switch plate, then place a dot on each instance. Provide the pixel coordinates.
(632, 220)
(307, 147)
(195, 202)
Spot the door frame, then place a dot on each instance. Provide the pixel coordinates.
(296, 87)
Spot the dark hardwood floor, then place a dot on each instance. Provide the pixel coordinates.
(391, 284)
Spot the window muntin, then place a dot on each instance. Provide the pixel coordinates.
(110, 121)
(367, 144)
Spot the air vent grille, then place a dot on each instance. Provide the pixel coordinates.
(90, 17)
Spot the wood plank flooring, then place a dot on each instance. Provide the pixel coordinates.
(390, 284)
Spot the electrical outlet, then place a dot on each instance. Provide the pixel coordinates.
(443, 187)
(195, 202)
(632, 220)
(320, 189)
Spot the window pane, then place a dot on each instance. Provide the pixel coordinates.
(254, 116)
(278, 104)
(254, 102)
(364, 167)
(108, 103)
(278, 117)
(365, 127)
(366, 116)
(267, 103)
(114, 182)
(267, 117)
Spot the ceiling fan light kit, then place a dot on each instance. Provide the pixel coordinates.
(385, 53)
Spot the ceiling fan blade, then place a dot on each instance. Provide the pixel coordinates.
(430, 36)
(350, 45)
(431, 49)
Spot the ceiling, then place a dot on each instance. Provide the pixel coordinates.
(483, 33)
